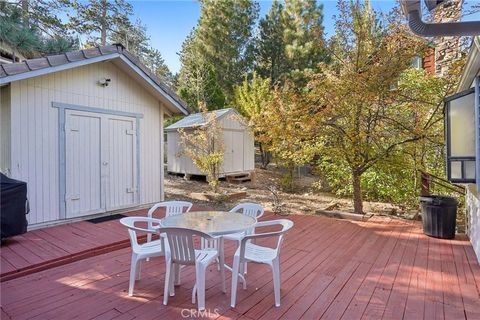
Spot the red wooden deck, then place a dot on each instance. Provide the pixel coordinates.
(331, 269)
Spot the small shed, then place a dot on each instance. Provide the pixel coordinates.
(238, 142)
(84, 129)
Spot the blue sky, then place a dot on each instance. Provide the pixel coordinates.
(169, 22)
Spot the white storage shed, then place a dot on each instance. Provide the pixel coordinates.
(84, 129)
(239, 157)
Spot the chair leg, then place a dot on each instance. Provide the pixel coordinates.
(221, 246)
(149, 238)
(172, 279)
(221, 264)
(166, 290)
(139, 267)
(276, 281)
(133, 274)
(177, 274)
(244, 269)
(194, 294)
(235, 267)
(200, 280)
(243, 276)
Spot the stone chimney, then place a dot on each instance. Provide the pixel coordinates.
(447, 49)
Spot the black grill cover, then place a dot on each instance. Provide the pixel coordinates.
(13, 207)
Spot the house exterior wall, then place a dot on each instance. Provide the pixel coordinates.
(238, 142)
(472, 201)
(428, 61)
(5, 164)
(35, 130)
(447, 49)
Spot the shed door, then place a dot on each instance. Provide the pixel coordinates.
(233, 159)
(83, 164)
(121, 162)
(237, 150)
(100, 162)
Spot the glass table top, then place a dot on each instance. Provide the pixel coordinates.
(211, 222)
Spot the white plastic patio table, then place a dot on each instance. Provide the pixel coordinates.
(214, 223)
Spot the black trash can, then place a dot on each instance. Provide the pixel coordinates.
(439, 216)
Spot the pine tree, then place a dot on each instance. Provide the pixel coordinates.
(99, 19)
(303, 37)
(134, 37)
(197, 83)
(29, 29)
(154, 61)
(225, 31)
(270, 45)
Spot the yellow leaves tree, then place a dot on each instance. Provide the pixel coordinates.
(366, 113)
(203, 144)
(285, 130)
(250, 99)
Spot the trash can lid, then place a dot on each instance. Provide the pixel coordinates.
(439, 200)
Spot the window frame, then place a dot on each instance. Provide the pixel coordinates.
(449, 158)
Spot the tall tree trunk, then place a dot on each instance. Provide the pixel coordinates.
(357, 193)
(103, 30)
(25, 19)
(265, 156)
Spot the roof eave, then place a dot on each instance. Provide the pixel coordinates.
(159, 89)
(472, 66)
(44, 71)
(176, 108)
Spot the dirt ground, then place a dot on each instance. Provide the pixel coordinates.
(304, 200)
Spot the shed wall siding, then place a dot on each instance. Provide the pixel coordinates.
(233, 152)
(5, 128)
(35, 157)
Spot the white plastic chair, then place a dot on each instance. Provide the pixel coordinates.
(172, 208)
(253, 210)
(150, 249)
(182, 252)
(251, 252)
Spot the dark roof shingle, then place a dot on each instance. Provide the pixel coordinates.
(57, 60)
(15, 68)
(39, 63)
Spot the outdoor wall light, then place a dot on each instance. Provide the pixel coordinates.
(104, 82)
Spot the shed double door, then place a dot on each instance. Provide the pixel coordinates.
(100, 162)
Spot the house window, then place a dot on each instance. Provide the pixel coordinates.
(460, 136)
(417, 63)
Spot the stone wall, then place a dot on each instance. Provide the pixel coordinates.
(472, 207)
(447, 49)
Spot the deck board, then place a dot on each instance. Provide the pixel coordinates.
(331, 269)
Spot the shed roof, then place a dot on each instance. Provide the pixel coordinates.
(10, 72)
(196, 119)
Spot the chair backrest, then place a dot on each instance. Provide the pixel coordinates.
(284, 223)
(182, 245)
(253, 210)
(172, 208)
(131, 224)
